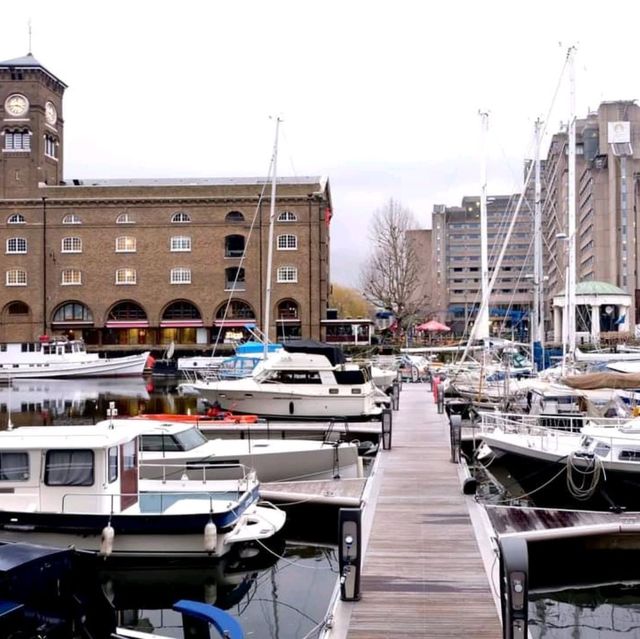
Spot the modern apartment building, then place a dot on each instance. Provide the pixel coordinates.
(607, 197)
(137, 263)
(456, 264)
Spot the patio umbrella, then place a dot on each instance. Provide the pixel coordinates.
(433, 326)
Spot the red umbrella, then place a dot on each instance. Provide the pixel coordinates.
(433, 326)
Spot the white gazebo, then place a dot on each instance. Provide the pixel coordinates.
(600, 307)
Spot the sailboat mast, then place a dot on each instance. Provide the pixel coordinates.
(482, 320)
(537, 325)
(571, 217)
(272, 215)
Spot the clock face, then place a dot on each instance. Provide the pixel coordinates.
(50, 113)
(16, 105)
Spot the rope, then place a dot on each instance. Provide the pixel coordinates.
(590, 477)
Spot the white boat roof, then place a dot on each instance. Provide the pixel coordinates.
(85, 436)
(297, 361)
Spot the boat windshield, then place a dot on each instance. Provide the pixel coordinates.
(166, 442)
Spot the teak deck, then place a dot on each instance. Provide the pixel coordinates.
(422, 574)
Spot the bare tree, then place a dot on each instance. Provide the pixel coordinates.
(392, 276)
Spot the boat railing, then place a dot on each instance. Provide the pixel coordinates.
(527, 423)
(204, 472)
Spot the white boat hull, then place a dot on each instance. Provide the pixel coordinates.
(291, 405)
(127, 366)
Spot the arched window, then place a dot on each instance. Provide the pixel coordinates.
(50, 146)
(18, 308)
(16, 277)
(71, 245)
(73, 312)
(124, 311)
(181, 311)
(287, 274)
(287, 242)
(125, 244)
(237, 310)
(234, 279)
(16, 218)
(70, 277)
(287, 216)
(16, 245)
(72, 218)
(180, 218)
(287, 309)
(125, 218)
(181, 244)
(181, 275)
(234, 217)
(234, 246)
(126, 276)
(17, 140)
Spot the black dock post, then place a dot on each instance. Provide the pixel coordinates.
(455, 436)
(395, 395)
(387, 421)
(349, 552)
(514, 587)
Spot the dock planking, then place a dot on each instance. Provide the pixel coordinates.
(422, 575)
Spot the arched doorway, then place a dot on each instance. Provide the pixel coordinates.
(74, 320)
(127, 324)
(235, 322)
(181, 323)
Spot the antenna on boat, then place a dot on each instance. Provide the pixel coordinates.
(272, 214)
(112, 412)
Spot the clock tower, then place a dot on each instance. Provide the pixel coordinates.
(31, 127)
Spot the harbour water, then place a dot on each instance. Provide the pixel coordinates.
(282, 593)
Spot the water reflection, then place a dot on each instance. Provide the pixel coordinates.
(282, 592)
(59, 401)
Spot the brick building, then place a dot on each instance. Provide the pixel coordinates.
(140, 263)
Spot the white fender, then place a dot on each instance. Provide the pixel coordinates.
(210, 537)
(106, 541)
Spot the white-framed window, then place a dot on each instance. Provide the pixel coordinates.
(50, 147)
(71, 245)
(16, 277)
(287, 216)
(180, 218)
(70, 277)
(71, 218)
(125, 218)
(16, 218)
(126, 276)
(125, 244)
(181, 275)
(287, 274)
(181, 243)
(17, 245)
(17, 140)
(287, 242)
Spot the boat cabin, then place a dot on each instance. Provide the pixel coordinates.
(66, 469)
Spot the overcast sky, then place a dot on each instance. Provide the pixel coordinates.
(381, 97)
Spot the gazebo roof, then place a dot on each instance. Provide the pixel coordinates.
(592, 287)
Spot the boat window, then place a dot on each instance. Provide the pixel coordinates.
(350, 377)
(129, 455)
(69, 468)
(602, 450)
(113, 464)
(192, 438)
(14, 466)
(629, 455)
(295, 377)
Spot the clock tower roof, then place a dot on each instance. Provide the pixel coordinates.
(29, 62)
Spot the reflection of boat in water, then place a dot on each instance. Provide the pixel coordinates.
(59, 396)
(158, 585)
